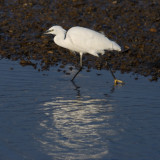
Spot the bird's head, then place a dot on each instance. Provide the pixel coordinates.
(55, 30)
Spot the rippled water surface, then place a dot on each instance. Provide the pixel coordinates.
(43, 115)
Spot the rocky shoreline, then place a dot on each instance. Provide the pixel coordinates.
(135, 25)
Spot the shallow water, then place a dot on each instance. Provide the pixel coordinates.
(43, 115)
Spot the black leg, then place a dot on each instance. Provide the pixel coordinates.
(76, 74)
(107, 64)
(116, 81)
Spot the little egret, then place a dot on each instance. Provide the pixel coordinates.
(83, 40)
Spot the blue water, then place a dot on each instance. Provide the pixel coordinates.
(43, 115)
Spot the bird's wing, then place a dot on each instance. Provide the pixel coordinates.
(86, 39)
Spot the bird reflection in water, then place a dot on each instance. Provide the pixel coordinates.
(77, 88)
(112, 89)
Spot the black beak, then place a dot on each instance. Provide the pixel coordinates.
(47, 32)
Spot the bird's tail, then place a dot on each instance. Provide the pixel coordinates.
(115, 46)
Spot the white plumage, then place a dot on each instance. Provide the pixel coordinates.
(82, 40)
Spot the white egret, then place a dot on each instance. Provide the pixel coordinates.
(83, 40)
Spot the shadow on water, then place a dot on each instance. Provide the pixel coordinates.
(43, 115)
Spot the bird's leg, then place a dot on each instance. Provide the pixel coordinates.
(80, 67)
(81, 54)
(116, 81)
(76, 74)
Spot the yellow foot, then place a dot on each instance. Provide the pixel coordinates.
(116, 81)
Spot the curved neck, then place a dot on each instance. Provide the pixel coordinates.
(59, 39)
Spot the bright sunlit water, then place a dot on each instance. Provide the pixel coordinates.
(43, 115)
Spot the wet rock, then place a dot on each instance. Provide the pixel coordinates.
(26, 62)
